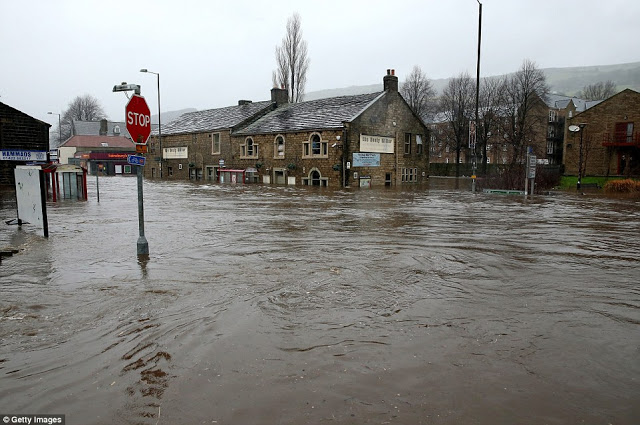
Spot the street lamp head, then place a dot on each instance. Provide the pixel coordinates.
(582, 125)
(144, 70)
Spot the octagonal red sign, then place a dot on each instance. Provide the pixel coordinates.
(138, 117)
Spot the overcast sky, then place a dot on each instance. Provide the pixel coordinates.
(212, 53)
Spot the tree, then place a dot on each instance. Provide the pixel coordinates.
(419, 93)
(489, 104)
(457, 104)
(598, 91)
(292, 62)
(524, 109)
(84, 108)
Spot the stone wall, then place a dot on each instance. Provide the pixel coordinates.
(390, 116)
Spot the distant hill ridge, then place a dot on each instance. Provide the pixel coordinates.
(566, 81)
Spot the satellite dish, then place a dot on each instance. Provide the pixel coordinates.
(574, 128)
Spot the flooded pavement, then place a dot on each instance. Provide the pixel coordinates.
(289, 305)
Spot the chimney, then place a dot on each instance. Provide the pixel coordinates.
(103, 127)
(390, 81)
(279, 96)
(243, 102)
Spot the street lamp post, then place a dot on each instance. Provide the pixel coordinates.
(476, 126)
(575, 128)
(159, 121)
(59, 128)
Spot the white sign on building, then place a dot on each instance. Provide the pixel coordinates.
(23, 155)
(175, 153)
(376, 144)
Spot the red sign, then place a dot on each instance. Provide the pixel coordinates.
(138, 117)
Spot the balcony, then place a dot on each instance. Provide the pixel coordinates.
(621, 139)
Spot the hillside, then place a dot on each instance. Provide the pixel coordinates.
(561, 80)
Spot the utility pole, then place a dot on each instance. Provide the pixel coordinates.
(476, 126)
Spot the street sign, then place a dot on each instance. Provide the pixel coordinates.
(532, 167)
(138, 118)
(136, 160)
(141, 149)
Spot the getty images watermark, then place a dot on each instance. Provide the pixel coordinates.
(32, 419)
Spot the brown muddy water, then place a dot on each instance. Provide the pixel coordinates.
(288, 305)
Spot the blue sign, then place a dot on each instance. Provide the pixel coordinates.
(364, 159)
(136, 160)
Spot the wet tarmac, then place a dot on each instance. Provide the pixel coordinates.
(291, 305)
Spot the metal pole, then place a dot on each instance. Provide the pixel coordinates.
(159, 126)
(580, 160)
(143, 245)
(474, 165)
(97, 182)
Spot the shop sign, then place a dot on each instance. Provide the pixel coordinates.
(22, 155)
(376, 144)
(361, 159)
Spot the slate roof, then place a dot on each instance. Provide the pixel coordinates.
(321, 114)
(214, 119)
(560, 101)
(92, 128)
(117, 142)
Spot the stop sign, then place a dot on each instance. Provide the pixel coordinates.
(138, 118)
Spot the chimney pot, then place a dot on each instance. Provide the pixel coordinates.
(390, 81)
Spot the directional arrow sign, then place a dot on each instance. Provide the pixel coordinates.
(136, 160)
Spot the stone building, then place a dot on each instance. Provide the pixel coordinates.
(23, 139)
(365, 140)
(197, 144)
(609, 139)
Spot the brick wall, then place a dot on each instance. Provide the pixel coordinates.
(19, 131)
(600, 123)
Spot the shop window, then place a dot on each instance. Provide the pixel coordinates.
(278, 147)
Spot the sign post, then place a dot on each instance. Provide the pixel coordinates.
(531, 173)
(138, 118)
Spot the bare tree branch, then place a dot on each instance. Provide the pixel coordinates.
(418, 91)
(457, 104)
(292, 62)
(598, 91)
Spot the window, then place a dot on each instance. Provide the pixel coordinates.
(407, 143)
(314, 178)
(315, 147)
(278, 147)
(419, 144)
(409, 175)
(551, 131)
(170, 171)
(488, 160)
(549, 148)
(215, 143)
(249, 149)
(553, 116)
(624, 132)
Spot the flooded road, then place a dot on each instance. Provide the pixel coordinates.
(288, 305)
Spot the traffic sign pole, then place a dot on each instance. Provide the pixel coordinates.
(138, 119)
(143, 245)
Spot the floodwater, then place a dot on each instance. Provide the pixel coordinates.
(291, 305)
